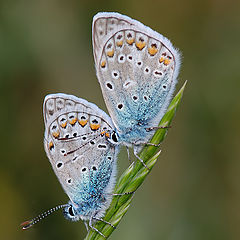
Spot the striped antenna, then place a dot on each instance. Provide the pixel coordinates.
(27, 224)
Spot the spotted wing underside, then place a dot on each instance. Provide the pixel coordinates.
(73, 141)
(136, 67)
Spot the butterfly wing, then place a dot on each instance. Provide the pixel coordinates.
(75, 146)
(137, 69)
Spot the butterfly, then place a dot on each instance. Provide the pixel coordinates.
(137, 69)
(82, 158)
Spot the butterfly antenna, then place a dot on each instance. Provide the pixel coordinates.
(27, 224)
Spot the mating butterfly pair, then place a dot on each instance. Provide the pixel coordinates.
(137, 70)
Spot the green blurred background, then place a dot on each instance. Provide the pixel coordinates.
(193, 192)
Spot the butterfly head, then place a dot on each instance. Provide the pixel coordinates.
(70, 212)
(113, 137)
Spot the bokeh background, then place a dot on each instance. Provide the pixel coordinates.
(193, 192)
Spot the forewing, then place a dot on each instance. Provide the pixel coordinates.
(73, 140)
(137, 69)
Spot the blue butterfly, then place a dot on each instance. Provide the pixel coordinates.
(82, 158)
(137, 69)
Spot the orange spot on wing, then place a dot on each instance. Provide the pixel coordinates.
(72, 122)
(103, 64)
(166, 62)
(120, 43)
(161, 59)
(94, 126)
(140, 45)
(130, 41)
(102, 133)
(56, 134)
(82, 122)
(63, 125)
(106, 134)
(152, 50)
(51, 145)
(110, 53)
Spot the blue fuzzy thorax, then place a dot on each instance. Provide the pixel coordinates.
(91, 196)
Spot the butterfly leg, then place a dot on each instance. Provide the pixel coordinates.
(152, 144)
(143, 163)
(119, 194)
(151, 129)
(93, 228)
(155, 128)
(100, 219)
(122, 194)
(128, 154)
(86, 225)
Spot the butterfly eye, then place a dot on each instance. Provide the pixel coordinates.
(71, 212)
(114, 137)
